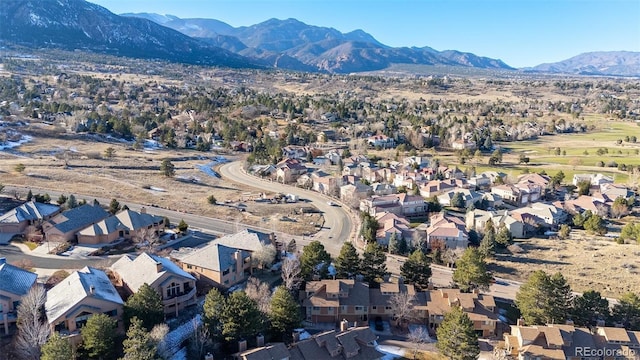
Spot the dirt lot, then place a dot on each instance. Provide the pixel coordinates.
(587, 262)
(77, 165)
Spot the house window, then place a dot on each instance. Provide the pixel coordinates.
(189, 266)
(387, 307)
(173, 289)
(374, 308)
(82, 319)
(316, 308)
(359, 308)
(225, 272)
(112, 313)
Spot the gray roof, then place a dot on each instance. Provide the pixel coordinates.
(15, 280)
(249, 240)
(354, 340)
(268, 352)
(78, 218)
(213, 257)
(87, 282)
(124, 220)
(28, 211)
(136, 271)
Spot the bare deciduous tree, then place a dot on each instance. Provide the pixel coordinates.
(260, 293)
(33, 331)
(146, 239)
(264, 256)
(291, 272)
(402, 306)
(417, 337)
(200, 339)
(158, 334)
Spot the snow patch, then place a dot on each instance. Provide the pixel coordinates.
(12, 144)
(151, 145)
(390, 352)
(172, 343)
(157, 189)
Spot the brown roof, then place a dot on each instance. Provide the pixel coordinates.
(353, 344)
(269, 352)
(614, 334)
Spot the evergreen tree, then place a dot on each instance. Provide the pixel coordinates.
(503, 236)
(627, 311)
(374, 267)
(589, 308)
(393, 244)
(167, 168)
(29, 195)
(314, 260)
(403, 247)
(114, 206)
(457, 340)
(214, 304)
(182, 226)
(347, 264)
(471, 271)
(57, 348)
(138, 345)
(416, 270)
(284, 314)
(61, 199)
(241, 317)
(98, 336)
(145, 305)
(544, 299)
(71, 202)
(368, 228)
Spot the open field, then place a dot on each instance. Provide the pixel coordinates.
(587, 262)
(77, 166)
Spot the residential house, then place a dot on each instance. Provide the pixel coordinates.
(330, 301)
(611, 192)
(334, 156)
(584, 203)
(275, 351)
(350, 343)
(480, 181)
(127, 224)
(480, 308)
(64, 226)
(16, 220)
(383, 189)
(324, 183)
(541, 180)
(321, 161)
(248, 240)
(437, 187)
(463, 144)
(352, 194)
(79, 296)
(176, 287)
(378, 204)
(412, 205)
(295, 152)
(388, 224)
(518, 194)
(446, 231)
(470, 197)
(217, 264)
(289, 170)
(380, 301)
(551, 215)
(382, 141)
(326, 135)
(594, 179)
(477, 220)
(417, 162)
(14, 284)
(567, 342)
(492, 200)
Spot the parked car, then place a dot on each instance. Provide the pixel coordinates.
(331, 203)
(378, 325)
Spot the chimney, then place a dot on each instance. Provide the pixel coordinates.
(520, 322)
(143, 210)
(158, 266)
(3, 260)
(260, 340)
(92, 289)
(344, 325)
(242, 345)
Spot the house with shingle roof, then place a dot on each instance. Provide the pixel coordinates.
(17, 219)
(217, 264)
(480, 308)
(176, 287)
(14, 284)
(349, 344)
(247, 240)
(127, 224)
(335, 300)
(79, 296)
(64, 226)
(446, 231)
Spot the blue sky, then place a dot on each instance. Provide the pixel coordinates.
(520, 32)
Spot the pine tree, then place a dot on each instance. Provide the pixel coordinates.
(114, 206)
(167, 168)
(98, 336)
(71, 202)
(314, 260)
(393, 243)
(416, 270)
(374, 267)
(214, 304)
(503, 237)
(29, 195)
(544, 299)
(145, 305)
(241, 317)
(588, 308)
(57, 348)
(471, 271)
(627, 311)
(138, 345)
(347, 264)
(457, 340)
(284, 314)
(182, 226)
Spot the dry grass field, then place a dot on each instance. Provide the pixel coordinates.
(77, 166)
(587, 262)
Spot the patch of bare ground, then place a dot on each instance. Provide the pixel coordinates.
(76, 166)
(587, 262)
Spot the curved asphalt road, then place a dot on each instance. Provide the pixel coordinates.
(338, 224)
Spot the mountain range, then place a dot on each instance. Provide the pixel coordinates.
(288, 44)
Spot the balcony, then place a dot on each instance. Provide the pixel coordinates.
(181, 297)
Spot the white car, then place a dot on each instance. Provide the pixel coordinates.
(331, 203)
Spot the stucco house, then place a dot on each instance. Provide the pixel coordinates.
(79, 296)
(127, 224)
(14, 284)
(64, 226)
(446, 231)
(176, 286)
(289, 170)
(217, 264)
(480, 308)
(16, 220)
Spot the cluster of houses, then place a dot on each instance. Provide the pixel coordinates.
(86, 224)
(397, 193)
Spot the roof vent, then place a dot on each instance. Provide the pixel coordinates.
(92, 289)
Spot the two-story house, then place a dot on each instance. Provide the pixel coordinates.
(480, 308)
(446, 231)
(335, 300)
(288, 170)
(176, 287)
(14, 284)
(217, 264)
